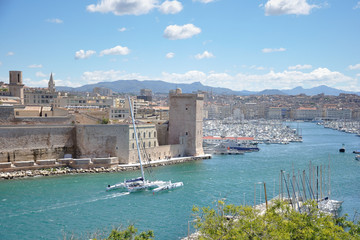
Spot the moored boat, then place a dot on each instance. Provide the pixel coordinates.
(342, 149)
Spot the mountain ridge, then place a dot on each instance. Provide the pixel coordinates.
(158, 86)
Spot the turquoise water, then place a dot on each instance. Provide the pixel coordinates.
(49, 207)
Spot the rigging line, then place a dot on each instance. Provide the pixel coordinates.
(146, 156)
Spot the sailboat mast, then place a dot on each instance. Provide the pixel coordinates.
(136, 139)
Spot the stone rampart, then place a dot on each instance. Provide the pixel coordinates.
(6, 113)
(31, 143)
(157, 153)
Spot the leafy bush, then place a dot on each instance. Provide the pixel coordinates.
(278, 222)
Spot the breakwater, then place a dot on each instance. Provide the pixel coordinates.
(343, 126)
(63, 169)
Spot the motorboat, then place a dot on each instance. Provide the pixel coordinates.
(342, 149)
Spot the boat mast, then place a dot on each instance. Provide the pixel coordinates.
(136, 139)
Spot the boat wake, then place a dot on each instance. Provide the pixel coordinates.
(70, 204)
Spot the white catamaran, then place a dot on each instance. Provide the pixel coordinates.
(140, 183)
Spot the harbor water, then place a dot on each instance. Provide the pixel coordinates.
(52, 207)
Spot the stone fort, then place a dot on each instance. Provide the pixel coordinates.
(180, 136)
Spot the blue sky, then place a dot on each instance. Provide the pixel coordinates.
(237, 44)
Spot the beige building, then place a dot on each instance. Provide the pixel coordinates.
(41, 96)
(307, 113)
(119, 113)
(76, 102)
(39, 111)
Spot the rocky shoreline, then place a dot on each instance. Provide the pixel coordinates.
(67, 170)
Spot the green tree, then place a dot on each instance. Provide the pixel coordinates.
(278, 222)
(105, 121)
(129, 234)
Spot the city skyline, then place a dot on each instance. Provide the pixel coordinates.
(241, 45)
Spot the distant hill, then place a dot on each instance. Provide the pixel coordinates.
(157, 86)
(271, 92)
(316, 90)
(134, 86)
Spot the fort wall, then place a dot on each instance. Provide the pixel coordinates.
(23, 143)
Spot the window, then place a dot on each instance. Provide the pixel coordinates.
(149, 144)
(149, 134)
(133, 146)
(144, 134)
(154, 134)
(17, 113)
(154, 143)
(133, 135)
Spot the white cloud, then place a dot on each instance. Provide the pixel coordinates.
(123, 29)
(257, 67)
(175, 32)
(40, 74)
(123, 7)
(188, 77)
(270, 50)
(35, 66)
(81, 54)
(170, 55)
(357, 5)
(111, 75)
(300, 67)
(118, 50)
(281, 7)
(204, 1)
(171, 7)
(354, 67)
(10, 54)
(54, 20)
(270, 80)
(205, 54)
(291, 79)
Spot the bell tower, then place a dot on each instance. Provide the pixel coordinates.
(51, 84)
(16, 86)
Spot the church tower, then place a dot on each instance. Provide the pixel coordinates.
(51, 84)
(16, 86)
